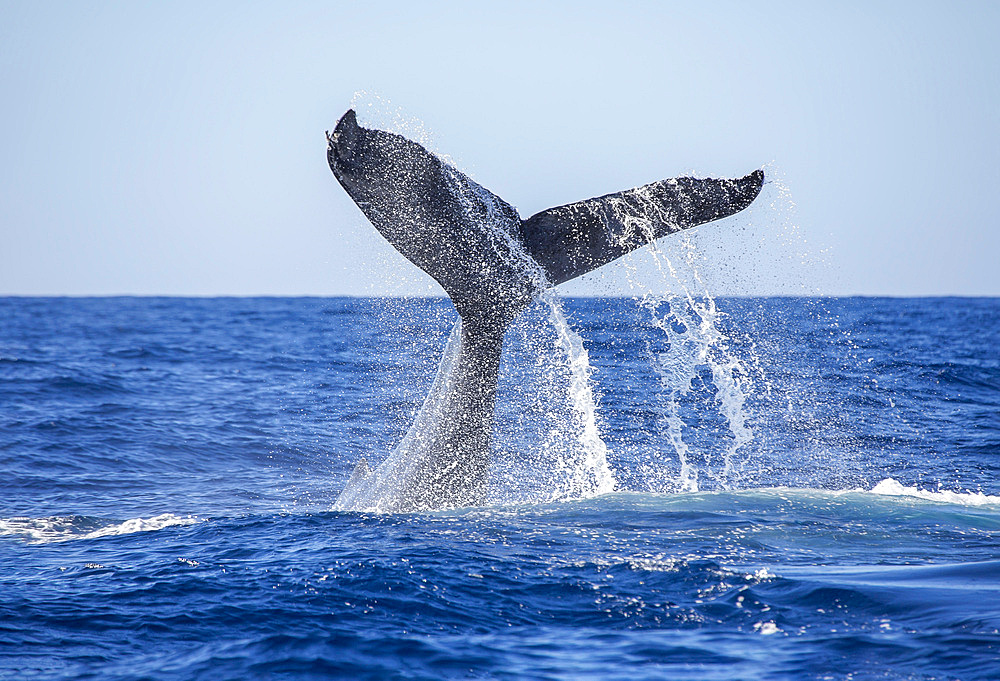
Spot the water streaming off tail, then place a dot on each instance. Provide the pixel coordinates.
(727, 389)
(704, 384)
(704, 423)
(547, 438)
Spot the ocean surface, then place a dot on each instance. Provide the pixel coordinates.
(754, 488)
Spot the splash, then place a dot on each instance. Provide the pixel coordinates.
(715, 400)
(704, 384)
(701, 381)
(547, 399)
(571, 461)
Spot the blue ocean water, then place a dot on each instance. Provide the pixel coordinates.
(805, 489)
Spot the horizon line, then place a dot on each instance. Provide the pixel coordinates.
(234, 296)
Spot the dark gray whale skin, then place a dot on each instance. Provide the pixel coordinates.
(492, 264)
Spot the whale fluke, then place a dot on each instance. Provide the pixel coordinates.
(574, 239)
(492, 265)
(438, 218)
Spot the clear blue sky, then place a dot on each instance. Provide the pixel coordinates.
(177, 148)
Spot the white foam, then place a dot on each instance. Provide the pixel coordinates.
(892, 488)
(766, 628)
(67, 528)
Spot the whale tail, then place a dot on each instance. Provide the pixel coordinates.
(448, 225)
(571, 240)
(492, 264)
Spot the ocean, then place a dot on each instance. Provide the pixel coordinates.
(682, 488)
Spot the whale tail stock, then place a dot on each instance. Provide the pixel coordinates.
(446, 224)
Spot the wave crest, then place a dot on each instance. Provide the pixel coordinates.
(67, 528)
(893, 488)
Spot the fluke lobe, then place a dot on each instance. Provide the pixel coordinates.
(492, 264)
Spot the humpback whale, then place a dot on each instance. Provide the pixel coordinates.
(492, 264)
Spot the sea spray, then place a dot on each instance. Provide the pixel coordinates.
(703, 382)
(548, 438)
(720, 370)
(555, 388)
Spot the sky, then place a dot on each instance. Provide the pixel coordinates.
(178, 148)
